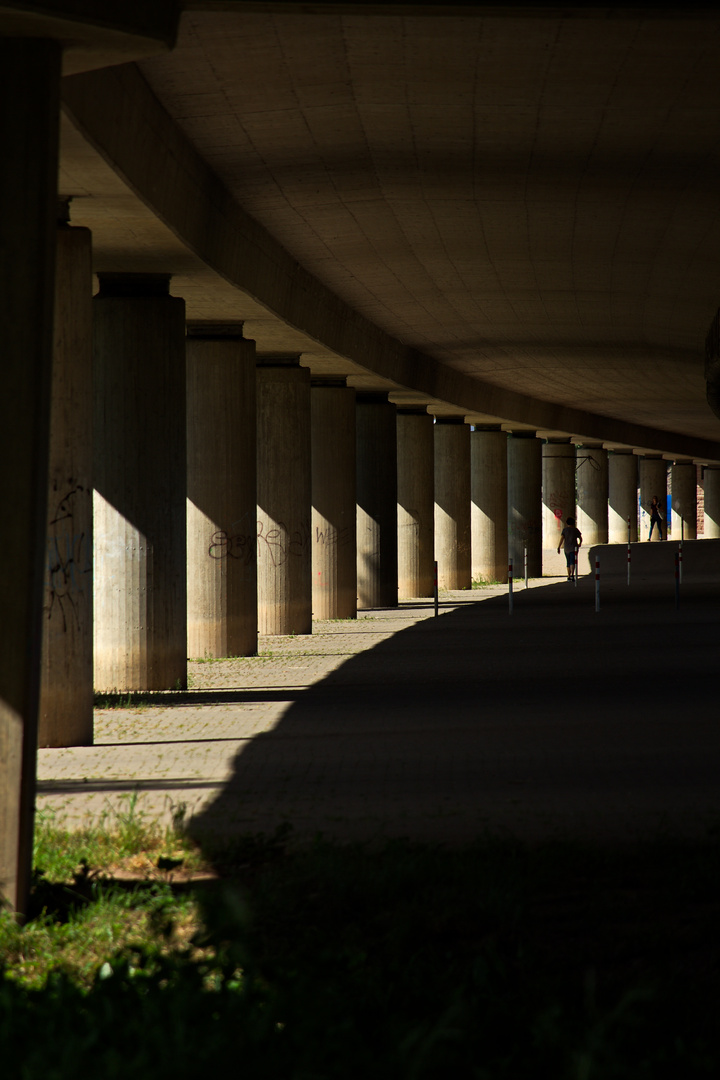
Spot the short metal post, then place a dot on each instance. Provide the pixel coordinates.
(628, 562)
(680, 547)
(526, 574)
(510, 587)
(597, 584)
(577, 564)
(677, 580)
(435, 594)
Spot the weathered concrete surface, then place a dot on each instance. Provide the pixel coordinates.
(683, 489)
(416, 503)
(66, 693)
(283, 498)
(452, 504)
(489, 505)
(555, 721)
(140, 585)
(558, 502)
(524, 476)
(333, 538)
(592, 493)
(376, 494)
(94, 35)
(622, 497)
(29, 106)
(711, 489)
(221, 494)
(701, 559)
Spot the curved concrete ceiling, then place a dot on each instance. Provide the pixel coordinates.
(507, 213)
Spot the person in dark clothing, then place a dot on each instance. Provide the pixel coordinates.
(571, 538)
(656, 517)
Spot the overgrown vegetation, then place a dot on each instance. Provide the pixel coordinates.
(497, 960)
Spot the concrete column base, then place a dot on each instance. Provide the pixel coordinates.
(592, 493)
(711, 489)
(653, 481)
(683, 491)
(334, 554)
(29, 117)
(622, 496)
(66, 695)
(222, 500)
(377, 553)
(284, 497)
(525, 502)
(416, 507)
(489, 503)
(452, 504)
(140, 496)
(558, 485)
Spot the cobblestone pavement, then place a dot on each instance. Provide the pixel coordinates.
(556, 721)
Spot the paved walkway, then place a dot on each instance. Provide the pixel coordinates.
(558, 720)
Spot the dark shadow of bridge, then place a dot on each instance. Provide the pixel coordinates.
(555, 721)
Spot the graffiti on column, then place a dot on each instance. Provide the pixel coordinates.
(558, 501)
(68, 560)
(280, 543)
(233, 543)
(332, 537)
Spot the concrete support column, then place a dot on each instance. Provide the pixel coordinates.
(284, 497)
(711, 485)
(489, 503)
(29, 111)
(452, 503)
(416, 503)
(653, 481)
(221, 492)
(66, 694)
(334, 552)
(622, 496)
(140, 484)
(683, 497)
(591, 463)
(377, 552)
(558, 487)
(525, 501)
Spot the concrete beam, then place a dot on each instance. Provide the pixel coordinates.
(94, 35)
(118, 114)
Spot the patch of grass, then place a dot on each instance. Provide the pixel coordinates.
(215, 659)
(119, 839)
(484, 583)
(84, 922)
(115, 699)
(496, 961)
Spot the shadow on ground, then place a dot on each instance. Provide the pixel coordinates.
(557, 721)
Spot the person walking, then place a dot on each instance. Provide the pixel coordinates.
(571, 538)
(656, 517)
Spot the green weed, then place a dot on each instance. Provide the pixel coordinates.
(391, 960)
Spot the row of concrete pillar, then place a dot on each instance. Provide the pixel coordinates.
(200, 495)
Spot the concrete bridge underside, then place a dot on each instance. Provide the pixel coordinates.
(507, 213)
